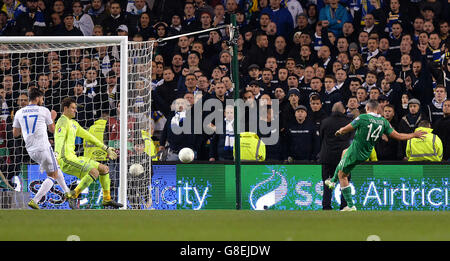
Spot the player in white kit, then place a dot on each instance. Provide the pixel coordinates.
(32, 122)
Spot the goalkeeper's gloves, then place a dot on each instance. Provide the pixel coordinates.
(110, 151)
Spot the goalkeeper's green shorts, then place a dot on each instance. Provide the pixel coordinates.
(79, 167)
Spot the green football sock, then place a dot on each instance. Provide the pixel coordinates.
(105, 182)
(84, 183)
(347, 193)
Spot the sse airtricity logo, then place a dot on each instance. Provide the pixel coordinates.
(271, 198)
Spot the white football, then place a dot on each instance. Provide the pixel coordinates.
(136, 169)
(186, 155)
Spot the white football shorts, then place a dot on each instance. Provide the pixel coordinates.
(46, 159)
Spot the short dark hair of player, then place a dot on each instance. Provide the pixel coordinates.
(66, 102)
(34, 93)
(424, 123)
(373, 105)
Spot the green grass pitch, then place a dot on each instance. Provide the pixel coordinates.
(222, 225)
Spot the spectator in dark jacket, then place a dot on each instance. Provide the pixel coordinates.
(6, 26)
(434, 110)
(317, 114)
(269, 129)
(17, 153)
(331, 148)
(144, 26)
(175, 136)
(419, 84)
(30, 20)
(97, 11)
(302, 137)
(85, 104)
(294, 99)
(331, 95)
(68, 29)
(409, 123)
(259, 52)
(387, 148)
(114, 20)
(167, 92)
(164, 10)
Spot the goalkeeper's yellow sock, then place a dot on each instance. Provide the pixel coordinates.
(84, 183)
(105, 182)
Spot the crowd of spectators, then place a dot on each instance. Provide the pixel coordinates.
(307, 54)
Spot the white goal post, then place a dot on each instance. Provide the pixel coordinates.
(133, 190)
(18, 45)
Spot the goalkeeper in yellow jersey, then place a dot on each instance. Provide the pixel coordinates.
(86, 169)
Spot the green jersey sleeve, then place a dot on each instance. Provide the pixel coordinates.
(356, 122)
(86, 135)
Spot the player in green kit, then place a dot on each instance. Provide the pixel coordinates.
(86, 169)
(369, 129)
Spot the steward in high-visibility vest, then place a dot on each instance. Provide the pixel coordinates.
(149, 145)
(91, 151)
(428, 149)
(252, 148)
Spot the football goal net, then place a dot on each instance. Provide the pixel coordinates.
(110, 80)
